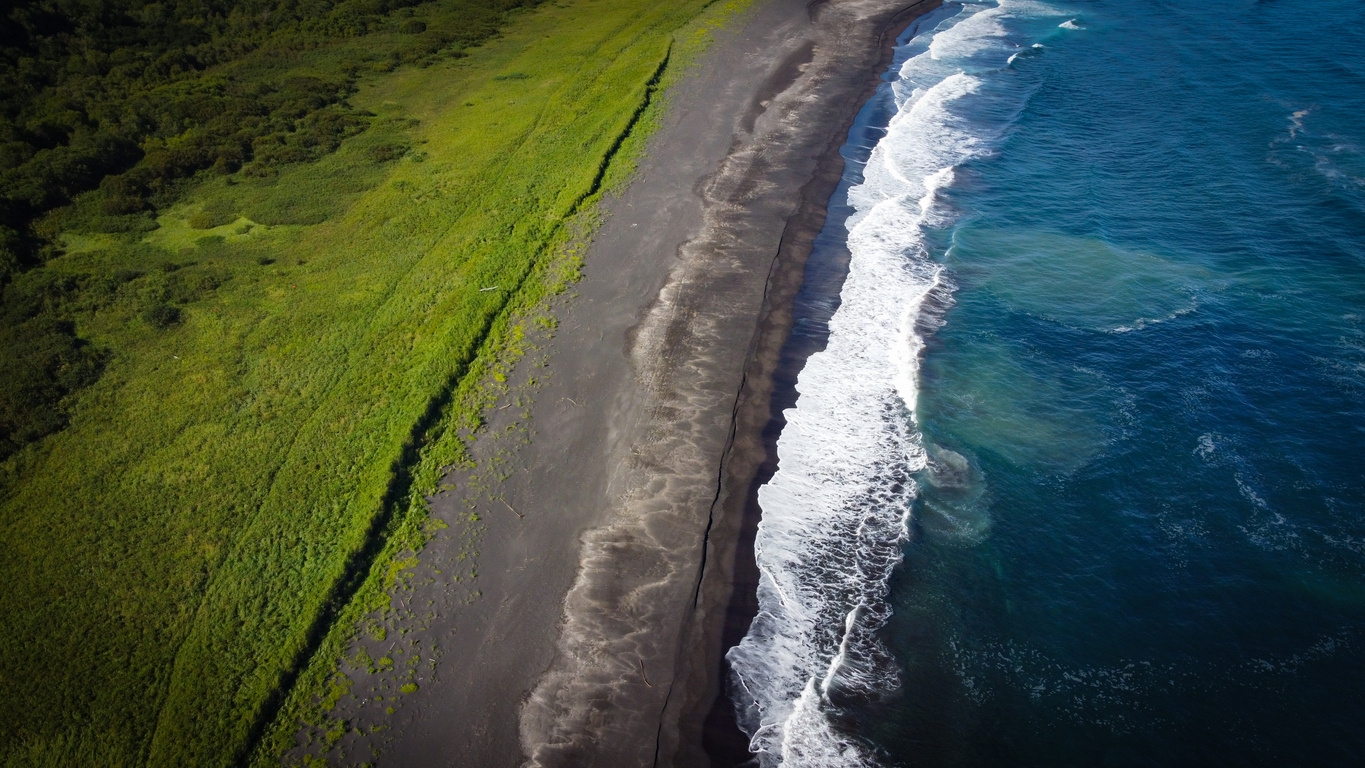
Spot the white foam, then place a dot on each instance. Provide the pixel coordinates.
(836, 512)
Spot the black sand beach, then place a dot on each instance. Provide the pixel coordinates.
(594, 631)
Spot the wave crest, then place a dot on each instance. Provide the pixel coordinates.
(836, 513)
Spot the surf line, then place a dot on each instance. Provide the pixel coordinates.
(836, 512)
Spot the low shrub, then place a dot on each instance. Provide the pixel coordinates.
(162, 316)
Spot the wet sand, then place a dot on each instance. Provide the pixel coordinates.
(588, 626)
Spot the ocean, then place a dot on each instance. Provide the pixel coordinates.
(1071, 465)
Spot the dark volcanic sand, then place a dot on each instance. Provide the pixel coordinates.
(592, 633)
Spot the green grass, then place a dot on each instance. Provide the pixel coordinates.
(185, 563)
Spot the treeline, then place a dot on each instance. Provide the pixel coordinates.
(113, 104)
(137, 95)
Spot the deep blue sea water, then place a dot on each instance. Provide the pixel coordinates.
(1075, 473)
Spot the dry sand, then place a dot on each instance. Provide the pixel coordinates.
(592, 633)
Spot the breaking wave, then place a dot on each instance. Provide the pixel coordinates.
(837, 512)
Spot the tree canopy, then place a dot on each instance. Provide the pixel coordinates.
(108, 107)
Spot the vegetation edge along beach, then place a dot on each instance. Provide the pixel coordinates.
(260, 366)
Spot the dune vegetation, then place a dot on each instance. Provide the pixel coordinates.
(239, 350)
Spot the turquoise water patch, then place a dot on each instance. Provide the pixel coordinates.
(1082, 282)
(1045, 415)
(955, 505)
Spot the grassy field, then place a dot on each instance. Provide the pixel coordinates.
(292, 360)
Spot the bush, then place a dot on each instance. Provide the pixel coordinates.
(137, 222)
(41, 362)
(162, 316)
(188, 285)
(211, 219)
(122, 206)
(386, 153)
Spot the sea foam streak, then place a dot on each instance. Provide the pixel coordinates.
(837, 511)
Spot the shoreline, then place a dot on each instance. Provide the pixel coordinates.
(774, 369)
(810, 101)
(575, 608)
